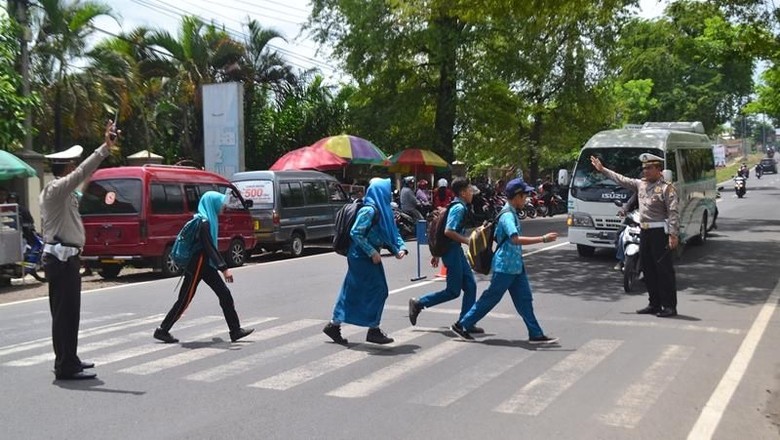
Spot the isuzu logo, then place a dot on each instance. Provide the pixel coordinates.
(613, 196)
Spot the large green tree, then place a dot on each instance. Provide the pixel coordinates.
(13, 106)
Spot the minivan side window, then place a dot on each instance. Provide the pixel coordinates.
(336, 192)
(166, 198)
(316, 193)
(291, 194)
(112, 196)
(193, 197)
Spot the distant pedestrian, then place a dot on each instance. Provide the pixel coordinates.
(364, 291)
(509, 271)
(205, 265)
(63, 233)
(459, 274)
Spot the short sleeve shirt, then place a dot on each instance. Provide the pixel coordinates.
(456, 217)
(509, 256)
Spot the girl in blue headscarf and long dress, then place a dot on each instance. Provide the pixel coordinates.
(364, 292)
(204, 265)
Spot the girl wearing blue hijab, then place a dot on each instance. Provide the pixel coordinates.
(364, 292)
(209, 208)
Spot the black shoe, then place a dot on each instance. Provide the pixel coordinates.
(649, 310)
(460, 331)
(240, 333)
(377, 336)
(414, 310)
(163, 335)
(81, 375)
(543, 339)
(334, 332)
(86, 365)
(477, 330)
(667, 312)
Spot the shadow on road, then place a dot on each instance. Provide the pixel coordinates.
(94, 385)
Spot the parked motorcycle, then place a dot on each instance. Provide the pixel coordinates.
(404, 222)
(33, 258)
(740, 188)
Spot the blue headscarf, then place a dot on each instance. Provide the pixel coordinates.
(209, 207)
(379, 196)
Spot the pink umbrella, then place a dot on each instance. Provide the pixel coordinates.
(308, 158)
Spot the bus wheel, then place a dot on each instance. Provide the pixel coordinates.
(701, 238)
(585, 251)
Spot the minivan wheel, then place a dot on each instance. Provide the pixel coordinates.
(109, 271)
(167, 266)
(295, 248)
(236, 253)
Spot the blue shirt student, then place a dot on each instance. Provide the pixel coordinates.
(366, 237)
(509, 256)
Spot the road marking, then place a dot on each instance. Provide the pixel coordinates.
(248, 363)
(320, 367)
(710, 416)
(87, 348)
(411, 286)
(538, 394)
(471, 378)
(195, 354)
(640, 396)
(391, 374)
(44, 342)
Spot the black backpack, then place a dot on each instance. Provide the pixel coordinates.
(345, 218)
(438, 243)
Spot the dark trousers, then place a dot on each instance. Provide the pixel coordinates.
(658, 268)
(65, 305)
(197, 270)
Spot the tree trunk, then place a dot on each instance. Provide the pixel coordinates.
(446, 95)
(535, 141)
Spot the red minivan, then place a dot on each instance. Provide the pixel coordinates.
(132, 216)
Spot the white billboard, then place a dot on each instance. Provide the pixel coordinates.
(223, 128)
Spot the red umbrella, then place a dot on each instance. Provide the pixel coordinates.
(308, 158)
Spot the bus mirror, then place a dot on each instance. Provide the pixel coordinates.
(563, 177)
(668, 176)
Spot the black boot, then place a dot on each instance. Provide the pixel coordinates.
(334, 332)
(377, 336)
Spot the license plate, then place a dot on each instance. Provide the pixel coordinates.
(257, 225)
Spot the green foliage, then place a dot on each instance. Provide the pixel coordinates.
(12, 103)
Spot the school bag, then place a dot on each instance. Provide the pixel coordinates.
(481, 251)
(187, 243)
(438, 243)
(345, 219)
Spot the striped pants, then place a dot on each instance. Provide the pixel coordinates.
(197, 270)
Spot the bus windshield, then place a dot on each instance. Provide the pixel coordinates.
(624, 161)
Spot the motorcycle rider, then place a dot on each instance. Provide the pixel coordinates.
(744, 171)
(422, 197)
(759, 170)
(409, 203)
(442, 196)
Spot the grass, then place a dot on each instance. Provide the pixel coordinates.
(729, 171)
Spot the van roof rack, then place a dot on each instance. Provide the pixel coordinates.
(691, 127)
(632, 127)
(159, 165)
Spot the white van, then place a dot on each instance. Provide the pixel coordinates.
(689, 164)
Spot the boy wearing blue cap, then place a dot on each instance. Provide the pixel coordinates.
(508, 270)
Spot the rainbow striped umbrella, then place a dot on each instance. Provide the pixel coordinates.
(416, 159)
(352, 148)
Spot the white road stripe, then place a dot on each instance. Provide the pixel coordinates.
(247, 363)
(314, 369)
(46, 342)
(640, 396)
(155, 347)
(192, 355)
(471, 378)
(86, 348)
(35, 324)
(533, 398)
(387, 376)
(455, 312)
(710, 416)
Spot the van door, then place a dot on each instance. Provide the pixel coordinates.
(167, 214)
(293, 212)
(319, 213)
(262, 195)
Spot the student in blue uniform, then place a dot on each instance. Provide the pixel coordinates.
(364, 292)
(459, 274)
(509, 272)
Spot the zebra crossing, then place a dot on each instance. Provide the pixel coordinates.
(125, 346)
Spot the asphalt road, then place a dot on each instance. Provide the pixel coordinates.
(710, 373)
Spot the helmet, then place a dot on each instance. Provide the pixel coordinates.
(422, 183)
(442, 183)
(409, 180)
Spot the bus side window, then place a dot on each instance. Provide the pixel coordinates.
(671, 163)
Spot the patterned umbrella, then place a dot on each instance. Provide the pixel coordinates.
(11, 166)
(352, 148)
(416, 159)
(308, 158)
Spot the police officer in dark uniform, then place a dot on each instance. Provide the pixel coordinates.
(660, 225)
(64, 236)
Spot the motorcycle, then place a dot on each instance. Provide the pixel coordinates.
(33, 258)
(405, 223)
(739, 186)
(759, 171)
(632, 264)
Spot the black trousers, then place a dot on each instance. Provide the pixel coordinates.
(65, 305)
(197, 270)
(658, 268)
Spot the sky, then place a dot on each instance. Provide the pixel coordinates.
(286, 16)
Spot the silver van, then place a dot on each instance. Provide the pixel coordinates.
(290, 208)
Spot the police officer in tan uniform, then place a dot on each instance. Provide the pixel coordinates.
(660, 225)
(64, 237)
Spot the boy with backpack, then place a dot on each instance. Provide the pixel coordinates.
(509, 273)
(459, 275)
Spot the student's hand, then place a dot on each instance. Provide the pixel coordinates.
(376, 258)
(673, 242)
(596, 163)
(228, 276)
(550, 236)
(434, 261)
(401, 254)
